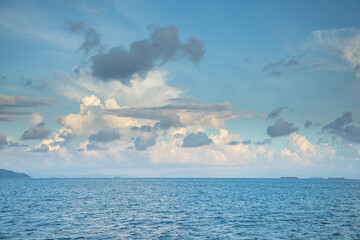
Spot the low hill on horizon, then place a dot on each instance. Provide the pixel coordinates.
(11, 174)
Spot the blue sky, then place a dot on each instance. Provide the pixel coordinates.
(170, 88)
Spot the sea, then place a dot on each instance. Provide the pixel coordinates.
(179, 208)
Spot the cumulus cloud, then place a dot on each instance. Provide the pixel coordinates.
(196, 140)
(341, 127)
(38, 131)
(162, 46)
(281, 128)
(41, 149)
(219, 153)
(6, 142)
(153, 90)
(275, 113)
(344, 42)
(172, 120)
(300, 150)
(35, 118)
(145, 140)
(104, 136)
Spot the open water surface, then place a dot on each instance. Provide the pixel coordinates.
(179, 209)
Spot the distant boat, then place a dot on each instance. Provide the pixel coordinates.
(295, 177)
(332, 178)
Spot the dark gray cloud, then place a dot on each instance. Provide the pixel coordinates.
(275, 113)
(91, 40)
(337, 126)
(308, 124)
(162, 46)
(246, 142)
(233, 143)
(41, 149)
(196, 140)
(341, 127)
(74, 26)
(352, 134)
(274, 68)
(172, 120)
(145, 140)
(38, 131)
(281, 128)
(194, 49)
(265, 141)
(104, 136)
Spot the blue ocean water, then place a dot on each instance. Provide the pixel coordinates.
(179, 209)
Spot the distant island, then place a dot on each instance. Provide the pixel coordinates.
(10, 174)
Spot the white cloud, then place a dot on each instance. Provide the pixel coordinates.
(300, 151)
(152, 90)
(218, 153)
(344, 42)
(35, 118)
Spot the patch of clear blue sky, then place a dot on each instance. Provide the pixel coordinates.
(241, 38)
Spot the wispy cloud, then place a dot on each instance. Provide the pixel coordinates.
(275, 69)
(344, 42)
(8, 103)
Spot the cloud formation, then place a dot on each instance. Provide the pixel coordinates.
(104, 136)
(196, 140)
(162, 46)
(265, 141)
(344, 42)
(35, 132)
(8, 103)
(91, 38)
(275, 113)
(75, 26)
(281, 128)
(144, 140)
(341, 127)
(275, 69)
(308, 124)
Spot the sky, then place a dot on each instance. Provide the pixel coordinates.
(180, 88)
